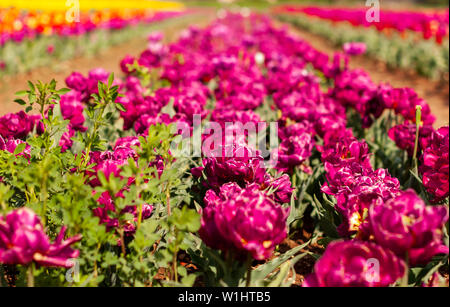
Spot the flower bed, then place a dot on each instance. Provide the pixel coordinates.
(429, 25)
(162, 185)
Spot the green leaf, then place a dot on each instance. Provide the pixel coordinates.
(21, 93)
(31, 86)
(110, 79)
(120, 107)
(63, 91)
(182, 270)
(53, 84)
(263, 270)
(101, 91)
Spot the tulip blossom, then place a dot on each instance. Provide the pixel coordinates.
(17, 125)
(245, 220)
(356, 264)
(242, 166)
(404, 137)
(23, 240)
(405, 225)
(294, 150)
(435, 166)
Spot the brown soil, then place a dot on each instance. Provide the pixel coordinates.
(436, 93)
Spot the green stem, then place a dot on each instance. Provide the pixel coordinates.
(168, 199)
(91, 138)
(249, 271)
(30, 275)
(137, 183)
(140, 216)
(174, 265)
(44, 200)
(294, 180)
(122, 242)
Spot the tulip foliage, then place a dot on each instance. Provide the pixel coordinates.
(94, 190)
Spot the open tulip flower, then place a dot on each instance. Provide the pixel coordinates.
(356, 264)
(245, 220)
(408, 227)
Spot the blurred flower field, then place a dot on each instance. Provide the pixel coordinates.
(34, 34)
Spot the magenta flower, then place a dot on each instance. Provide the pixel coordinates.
(282, 188)
(229, 115)
(50, 49)
(345, 150)
(354, 88)
(145, 121)
(355, 48)
(72, 109)
(66, 141)
(77, 82)
(155, 36)
(293, 151)
(356, 192)
(105, 163)
(241, 166)
(244, 220)
(404, 136)
(11, 144)
(23, 240)
(404, 101)
(107, 206)
(125, 64)
(125, 148)
(407, 226)
(356, 264)
(435, 166)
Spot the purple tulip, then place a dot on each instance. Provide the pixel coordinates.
(404, 136)
(293, 151)
(356, 264)
(17, 125)
(77, 81)
(408, 227)
(72, 109)
(242, 166)
(124, 64)
(435, 166)
(282, 187)
(23, 240)
(243, 220)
